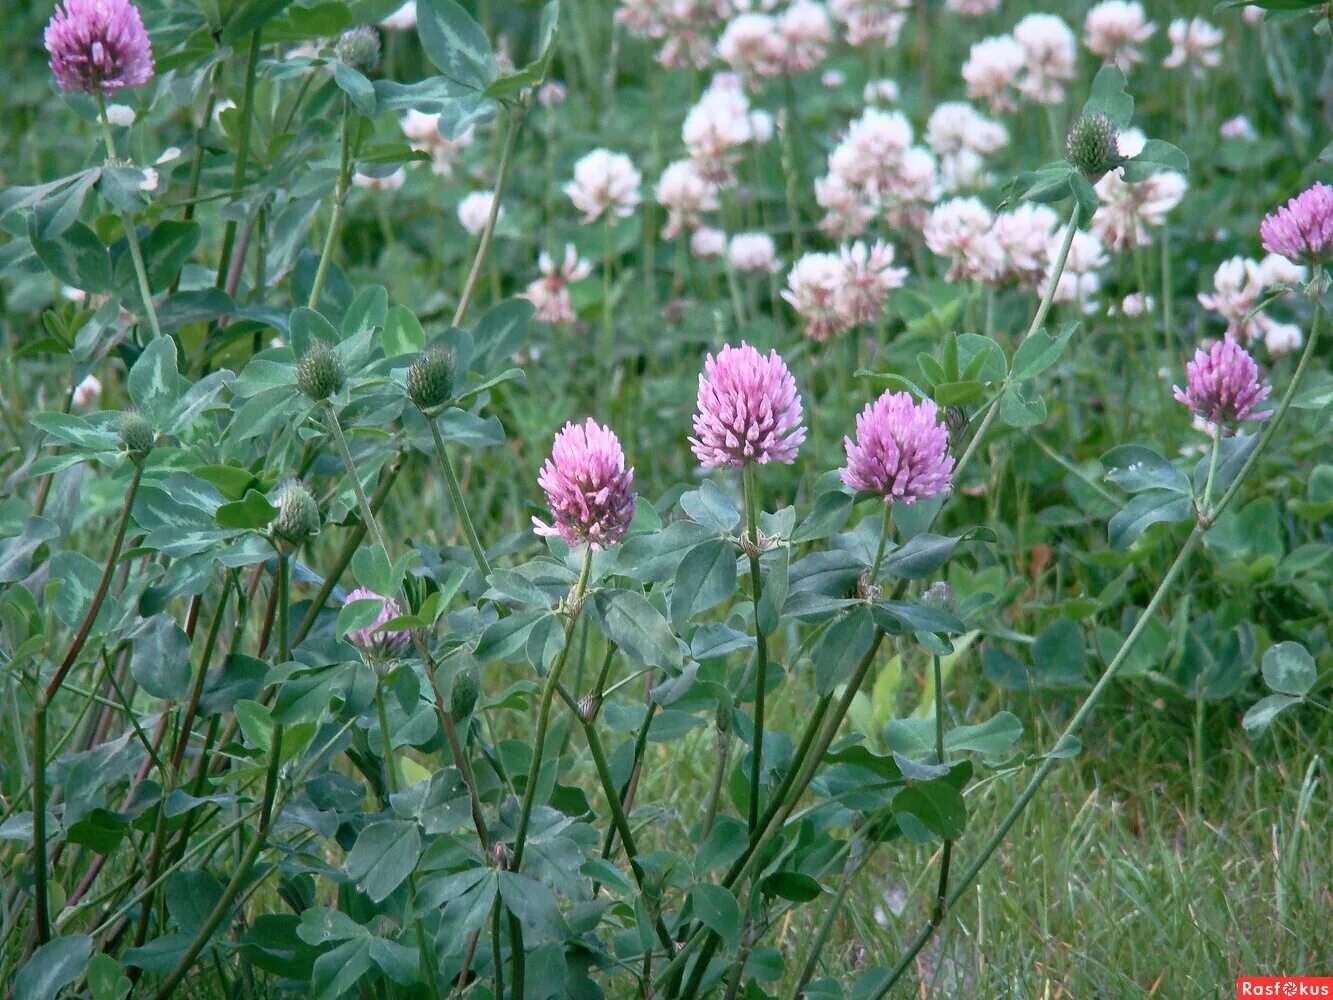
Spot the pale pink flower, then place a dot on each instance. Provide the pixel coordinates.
(1024, 235)
(971, 8)
(552, 93)
(1114, 30)
(708, 243)
(806, 33)
(389, 182)
(1275, 269)
(871, 22)
(913, 189)
(686, 194)
(870, 154)
(715, 129)
(1129, 211)
(1052, 54)
(87, 393)
(1079, 281)
(955, 126)
(402, 19)
(1195, 44)
(1281, 338)
(814, 287)
(423, 133)
(751, 46)
(880, 92)
(474, 211)
(847, 211)
(1237, 286)
(753, 253)
(1239, 128)
(1137, 305)
(992, 69)
(868, 275)
(550, 292)
(963, 230)
(605, 183)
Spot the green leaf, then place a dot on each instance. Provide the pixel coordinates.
(1135, 468)
(921, 556)
(1039, 352)
(502, 332)
(1232, 456)
(842, 647)
(383, 856)
(52, 967)
(455, 43)
(1060, 655)
(1143, 512)
(160, 662)
(1108, 96)
(993, 738)
(726, 842)
(629, 620)
(251, 16)
(1263, 712)
(796, 886)
(533, 903)
(1155, 157)
(1017, 410)
(354, 84)
(167, 248)
(256, 723)
(402, 333)
(76, 431)
(248, 514)
(1289, 669)
(717, 908)
(368, 310)
(937, 804)
(107, 979)
(1046, 184)
(77, 257)
(705, 578)
(339, 970)
(154, 381)
(308, 326)
(712, 508)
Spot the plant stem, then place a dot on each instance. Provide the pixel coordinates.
(339, 201)
(534, 770)
(103, 586)
(883, 543)
(460, 506)
(516, 115)
(131, 234)
(750, 487)
(367, 514)
(242, 155)
(41, 905)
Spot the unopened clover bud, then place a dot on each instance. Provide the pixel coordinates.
(358, 47)
(587, 708)
(320, 372)
(136, 434)
(430, 380)
(501, 855)
(1092, 146)
(297, 519)
(463, 697)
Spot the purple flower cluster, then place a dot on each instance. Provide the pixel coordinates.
(374, 644)
(1222, 385)
(901, 450)
(749, 410)
(1302, 230)
(98, 46)
(589, 490)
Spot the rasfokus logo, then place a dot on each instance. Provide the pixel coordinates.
(1284, 986)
